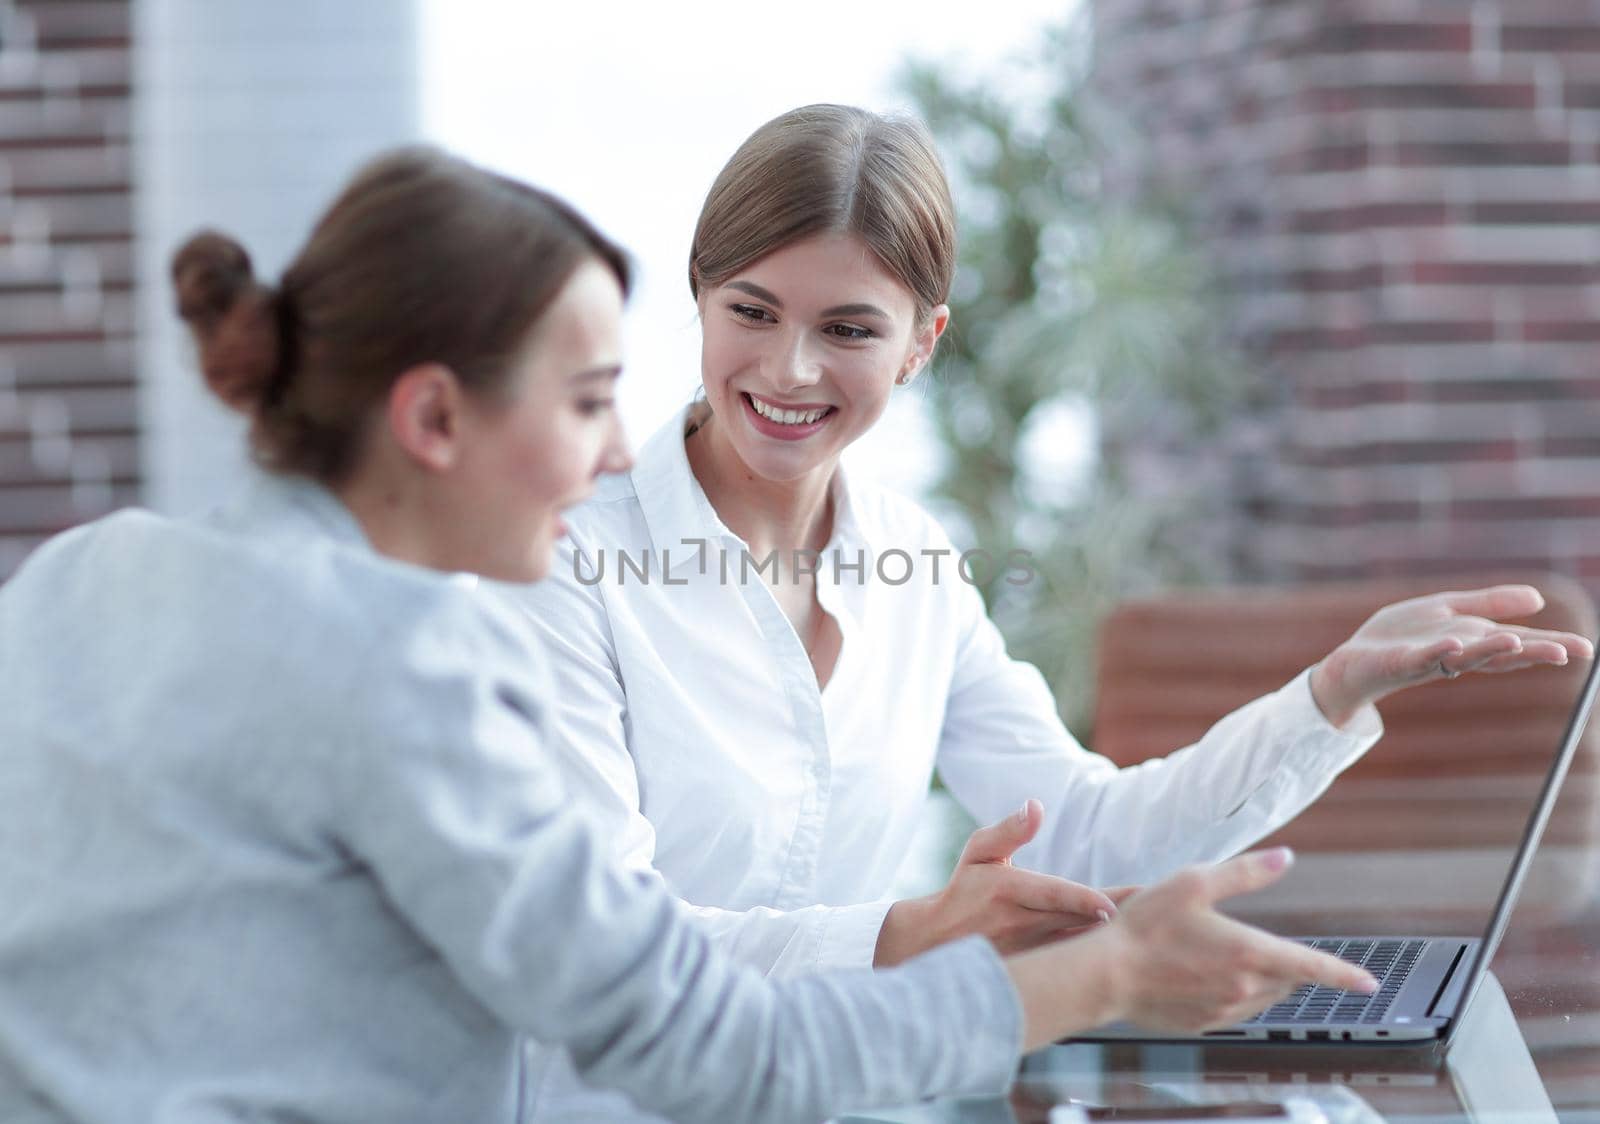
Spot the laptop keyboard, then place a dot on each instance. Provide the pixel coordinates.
(1390, 961)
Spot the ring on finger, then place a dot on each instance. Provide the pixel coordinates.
(1446, 672)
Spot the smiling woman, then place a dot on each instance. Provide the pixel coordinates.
(785, 359)
(792, 378)
(819, 265)
(764, 736)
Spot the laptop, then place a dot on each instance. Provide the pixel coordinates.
(1424, 983)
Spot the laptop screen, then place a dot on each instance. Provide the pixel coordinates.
(1421, 837)
(1563, 816)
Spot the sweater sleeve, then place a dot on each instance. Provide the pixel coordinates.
(1256, 769)
(465, 825)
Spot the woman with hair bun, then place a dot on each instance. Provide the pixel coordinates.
(281, 835)
(762, 659)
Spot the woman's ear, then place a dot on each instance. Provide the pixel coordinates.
(924, 340)
(425, 415)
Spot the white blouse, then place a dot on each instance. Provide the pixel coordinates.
(693, 728)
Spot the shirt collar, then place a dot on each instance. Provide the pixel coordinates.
(678, 513)
(848, 528)
(675, 507)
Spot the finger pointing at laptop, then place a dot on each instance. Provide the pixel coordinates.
(1170, 961)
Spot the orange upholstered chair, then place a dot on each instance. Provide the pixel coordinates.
(1456, 757)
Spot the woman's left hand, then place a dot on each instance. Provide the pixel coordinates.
(1438, 637)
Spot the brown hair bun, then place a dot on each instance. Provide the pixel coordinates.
(422, 258)
(234, 318)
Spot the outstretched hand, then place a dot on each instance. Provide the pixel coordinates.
(1016, 909)
(1439, 636)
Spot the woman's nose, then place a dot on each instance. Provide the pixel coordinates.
(617, 456)
(795, 367)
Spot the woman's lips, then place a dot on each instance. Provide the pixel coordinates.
(766, 426)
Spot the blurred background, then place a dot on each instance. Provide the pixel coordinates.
(1252, 293)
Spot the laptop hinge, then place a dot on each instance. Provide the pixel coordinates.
(1449, 974)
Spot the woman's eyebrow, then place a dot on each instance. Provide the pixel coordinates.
(761, 294)
(855, 310)
(757, 291)
(595, 374)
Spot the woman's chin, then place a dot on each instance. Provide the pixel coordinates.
(536, 567)
(782, 464)
(533, 566)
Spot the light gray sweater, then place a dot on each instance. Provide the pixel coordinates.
(279, 841)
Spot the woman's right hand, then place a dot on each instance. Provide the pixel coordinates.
(1170, 961)
(1016, 909)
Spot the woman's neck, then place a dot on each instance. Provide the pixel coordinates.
(386, 520)
(781, 515)
(397, 515)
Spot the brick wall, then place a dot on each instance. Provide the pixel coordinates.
(68, 410)
(1402, 198)
(248, 116)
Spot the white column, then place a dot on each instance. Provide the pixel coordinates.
(248, 116)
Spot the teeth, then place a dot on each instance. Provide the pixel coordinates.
(786, 417)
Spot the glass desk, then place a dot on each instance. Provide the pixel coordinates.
(1487, 1074)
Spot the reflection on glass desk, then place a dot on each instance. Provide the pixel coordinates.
(1487, 1074)
(1420, 852)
